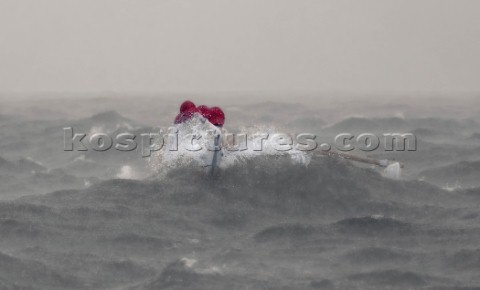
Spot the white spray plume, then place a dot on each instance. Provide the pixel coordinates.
(161, 161)
(393, 171)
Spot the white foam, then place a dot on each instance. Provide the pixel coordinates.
(126, 172)
(452, 188)
(165, 159)
(188, 262)
(393, 171)
(96, 130)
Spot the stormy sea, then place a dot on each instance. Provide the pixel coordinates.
(89, 219)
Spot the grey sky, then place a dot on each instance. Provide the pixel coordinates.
(273, 46)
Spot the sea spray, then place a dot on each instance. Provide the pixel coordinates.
(195, 147)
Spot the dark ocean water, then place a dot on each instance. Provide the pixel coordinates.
(106, 220)
(264, 223)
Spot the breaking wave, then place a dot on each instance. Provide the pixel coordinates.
(194, 146)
